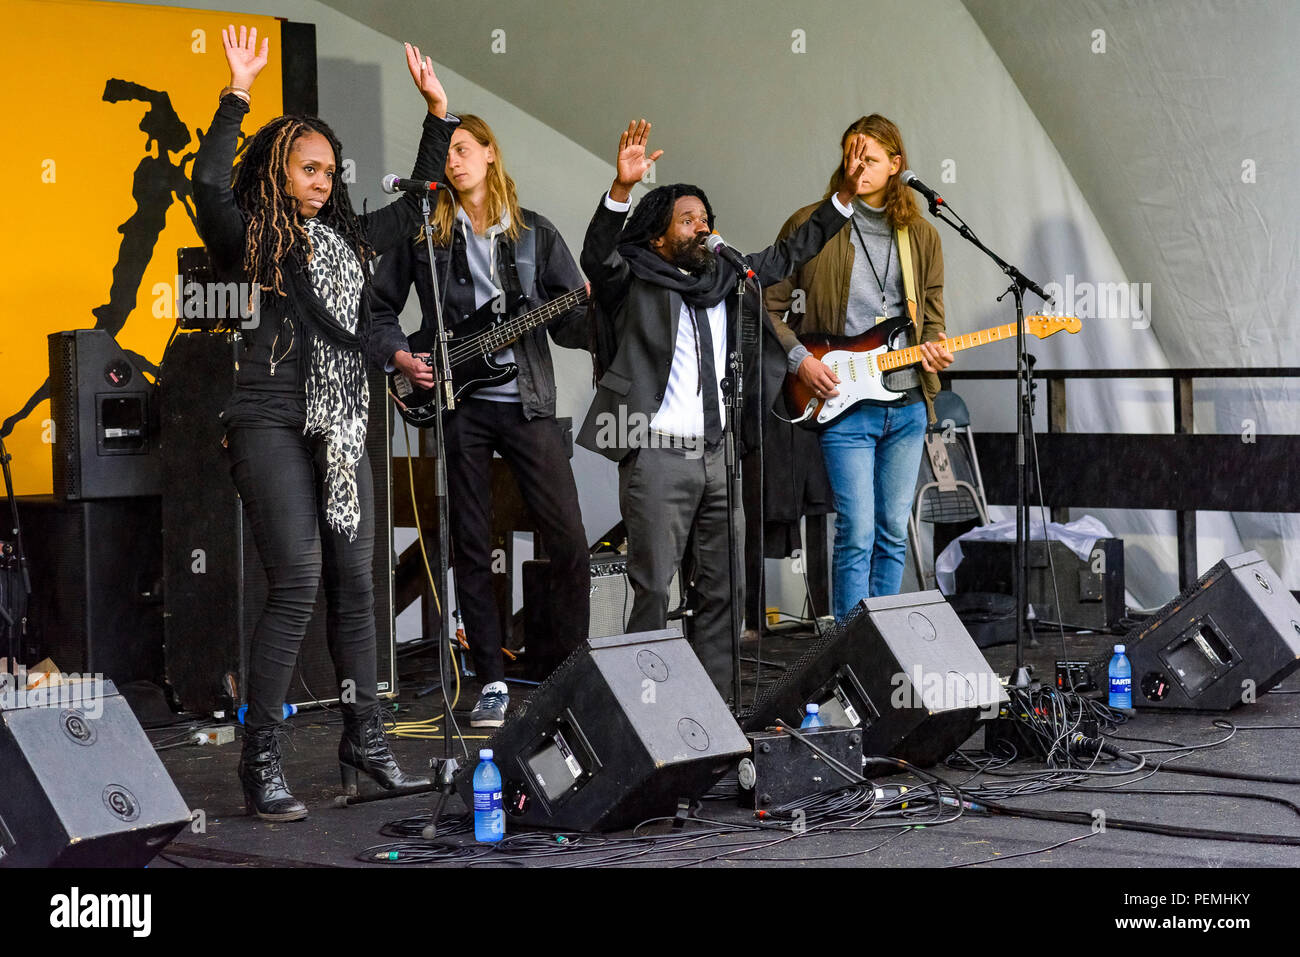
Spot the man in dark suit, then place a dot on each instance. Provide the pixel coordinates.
(663, 311)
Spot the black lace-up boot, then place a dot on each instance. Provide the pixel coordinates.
(265, 793)
(365, 748)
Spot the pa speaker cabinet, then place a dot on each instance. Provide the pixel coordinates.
(83, 786)
(215, 585)
(624, 728)
(1230, 637)
(97, 584)
(104, 419)
(903, 668)
(1087, 593)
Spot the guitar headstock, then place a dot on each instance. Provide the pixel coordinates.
(1044, 326)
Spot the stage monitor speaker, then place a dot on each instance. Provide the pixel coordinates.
(611, 607)
(903, 668)
(104, 439)
(215, 585)
(621, 730)
(83, 786)
(97, 585)
(1226, 640)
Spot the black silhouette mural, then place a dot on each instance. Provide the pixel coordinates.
(159, 181)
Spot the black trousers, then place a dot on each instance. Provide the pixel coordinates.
(535, 452)
(279, 473)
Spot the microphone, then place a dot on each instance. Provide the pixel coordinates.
(718, 246)
(393, 183)
(909, 179)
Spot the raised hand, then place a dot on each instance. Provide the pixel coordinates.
(245, 60)
(855, 169)
(426, 81)
(633, 162)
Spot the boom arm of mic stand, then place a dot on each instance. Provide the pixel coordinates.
(1016, 276)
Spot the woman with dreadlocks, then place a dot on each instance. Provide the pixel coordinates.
(296, 424)
(663, 312)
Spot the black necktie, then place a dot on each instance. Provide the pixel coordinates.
(708, 377)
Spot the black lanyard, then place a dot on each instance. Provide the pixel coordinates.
(880, 280)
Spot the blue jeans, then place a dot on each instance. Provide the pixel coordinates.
(872, 456)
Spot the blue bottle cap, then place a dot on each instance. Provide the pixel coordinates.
(1119, 649)
(812, 709)
(485, 754)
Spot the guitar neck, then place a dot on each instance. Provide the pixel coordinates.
(912, 354)
(508, 332)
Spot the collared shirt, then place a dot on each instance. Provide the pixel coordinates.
(681, 413)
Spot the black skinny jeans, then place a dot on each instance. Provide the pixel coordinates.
(279, 473)
(534, 450)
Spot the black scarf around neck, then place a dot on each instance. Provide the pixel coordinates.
(700, 290)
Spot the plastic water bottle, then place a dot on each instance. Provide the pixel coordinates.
(811, 717)
(1121, 680)
(289, 711)
(489, 814)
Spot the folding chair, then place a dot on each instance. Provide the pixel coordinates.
(949, 488)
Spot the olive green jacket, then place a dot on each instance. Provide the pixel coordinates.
(824, 282)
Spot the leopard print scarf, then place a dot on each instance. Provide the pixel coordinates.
(338, 396)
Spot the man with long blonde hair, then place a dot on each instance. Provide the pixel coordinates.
(861, 278)
(487, 246)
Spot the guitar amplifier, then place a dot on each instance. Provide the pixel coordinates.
(1090, 591)
(611, 607)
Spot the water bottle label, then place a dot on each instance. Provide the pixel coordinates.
(487, 800)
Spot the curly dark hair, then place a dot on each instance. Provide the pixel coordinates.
(654, 213)
(275, 231)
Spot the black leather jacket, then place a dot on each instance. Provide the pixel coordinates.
(556, 274)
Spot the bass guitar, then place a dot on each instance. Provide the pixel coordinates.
(862, 363)
(469, 353)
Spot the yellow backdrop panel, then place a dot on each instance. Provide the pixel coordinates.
(102, 109)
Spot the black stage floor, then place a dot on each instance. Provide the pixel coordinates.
(335, 837)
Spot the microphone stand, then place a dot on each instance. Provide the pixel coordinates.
(447, 766)
(733, 387)
(444, 768)
(740, 334)
(1020, 283)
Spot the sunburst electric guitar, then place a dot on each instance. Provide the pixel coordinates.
(862, 363)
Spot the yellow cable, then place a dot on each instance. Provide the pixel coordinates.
(415, 511)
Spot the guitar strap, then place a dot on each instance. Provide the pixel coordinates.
(909, 280)
(526, 262)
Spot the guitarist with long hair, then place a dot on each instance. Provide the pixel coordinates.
(489, 251)
(888, 264)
